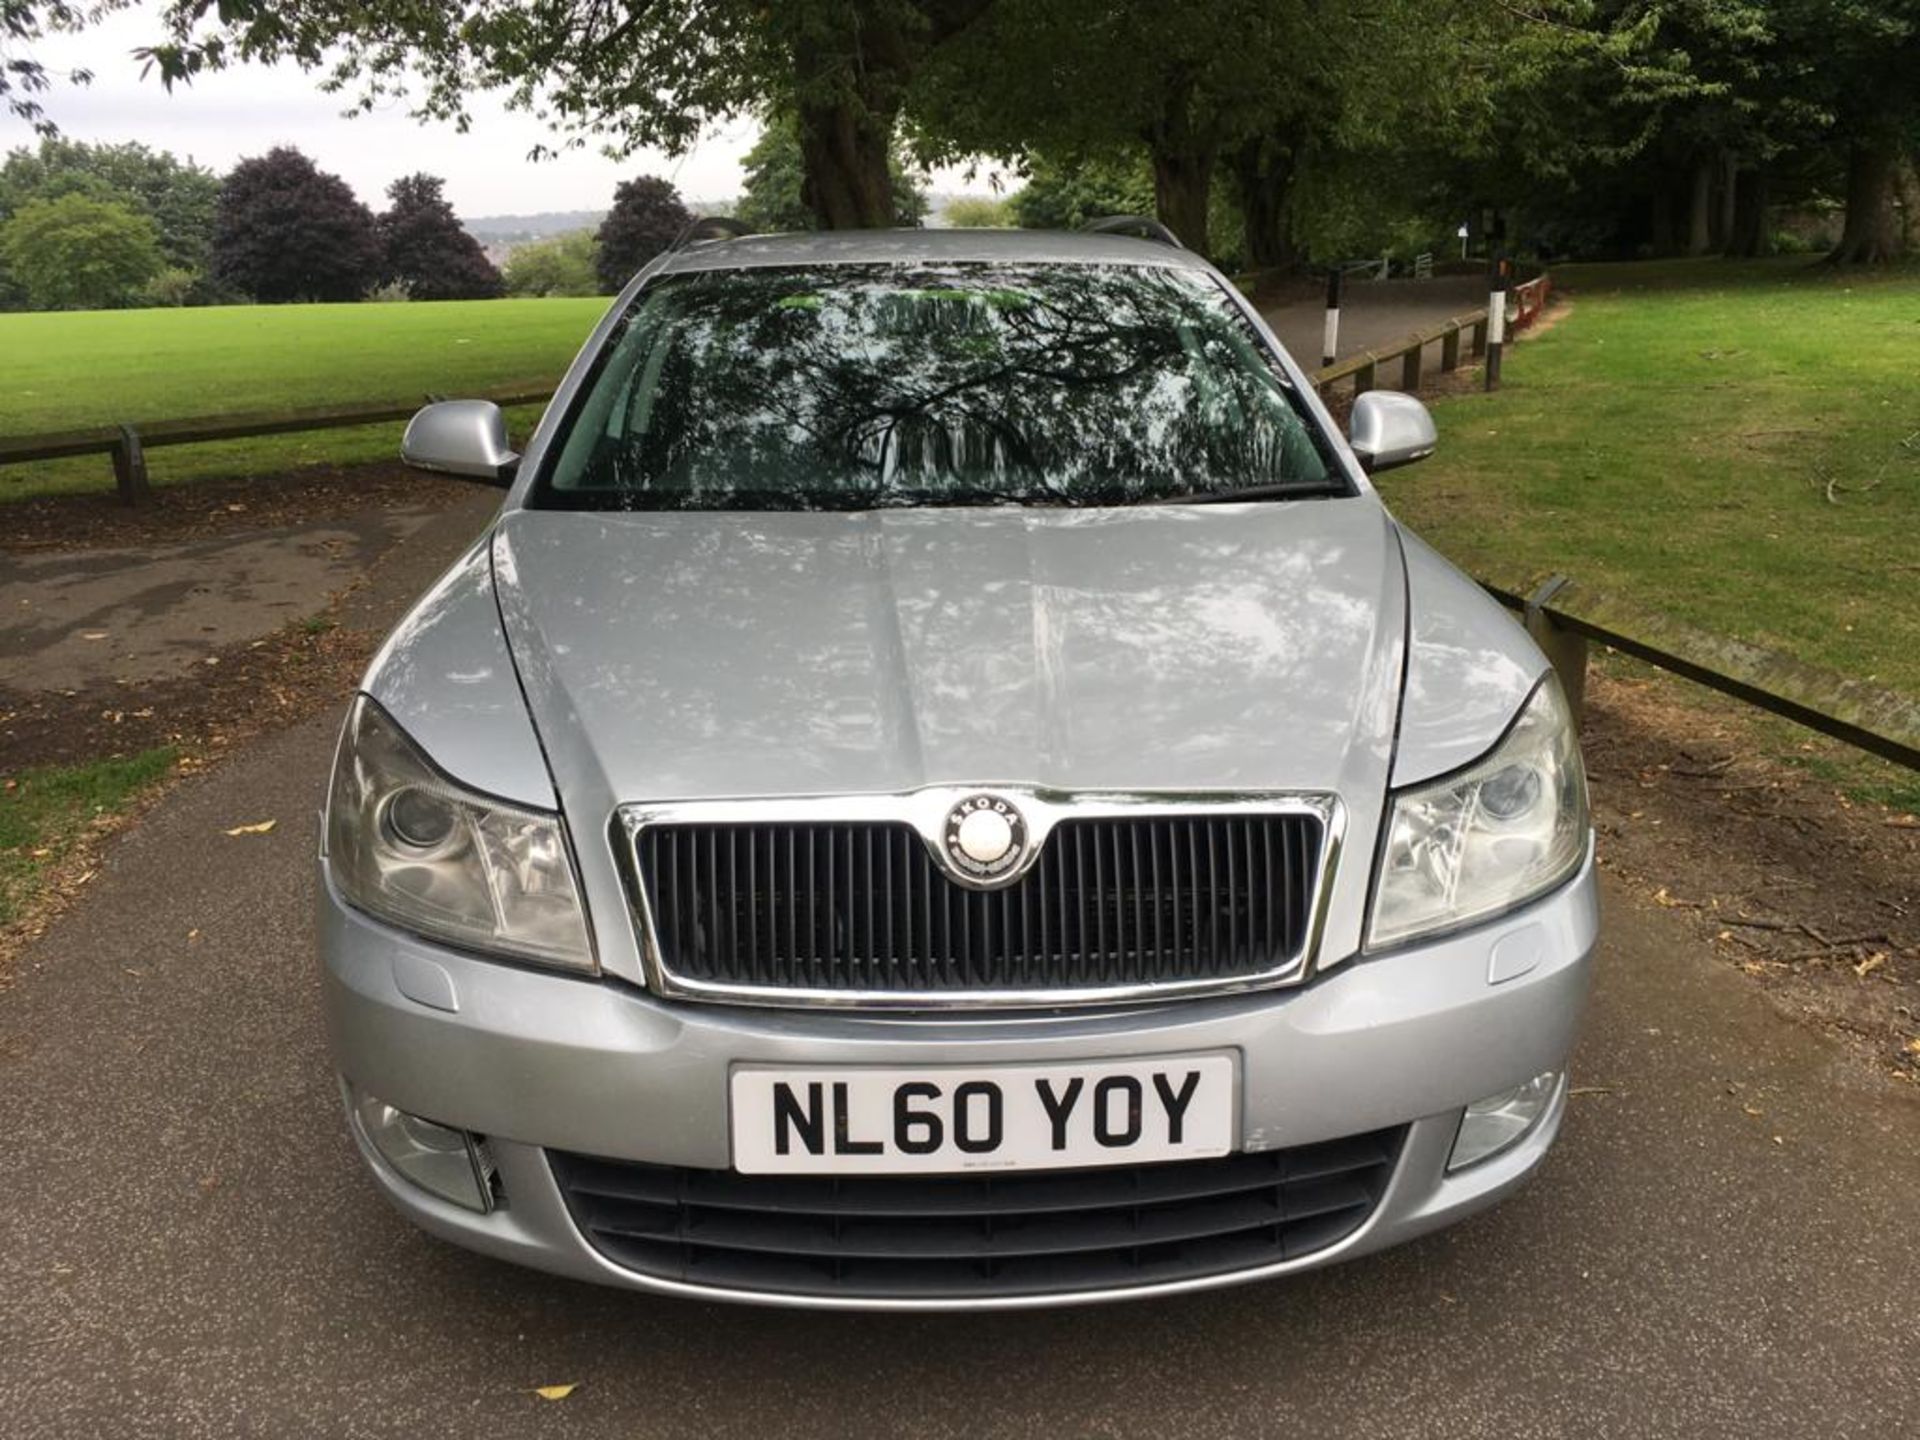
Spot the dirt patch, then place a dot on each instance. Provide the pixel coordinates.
(1813, 895)
(248, 689)
(239, 683)
(71, 619)
(211, 508)
(236, 690)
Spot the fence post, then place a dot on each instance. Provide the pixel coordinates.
(1410, 367)
(1479, 345)
(1565, 650)
(1496, 317)
(130, 469)
(1366, 378)
(1450, 348)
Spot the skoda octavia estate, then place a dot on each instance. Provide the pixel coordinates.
(943, 786)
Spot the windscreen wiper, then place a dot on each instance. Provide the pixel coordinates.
(1285, 490)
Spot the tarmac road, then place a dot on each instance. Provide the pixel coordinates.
(1376, 313)
(1723, 1243)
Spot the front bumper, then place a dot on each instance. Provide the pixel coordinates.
(537, 1061)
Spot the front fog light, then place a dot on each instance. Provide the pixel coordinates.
(1492, 1124)
(449, 1163)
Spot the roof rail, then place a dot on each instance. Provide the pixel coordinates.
(1141, 227)
(710, 227)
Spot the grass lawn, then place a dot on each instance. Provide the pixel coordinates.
(44, 813)
(65, 371)
(1734, 445)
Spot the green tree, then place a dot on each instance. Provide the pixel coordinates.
(178, 196)
(629, 75)
(977, 212)
(559, 265)
(78, 253)
(1189, 86)
(23, 79)
(776, 195)
(1064, 195)
(1865, 62)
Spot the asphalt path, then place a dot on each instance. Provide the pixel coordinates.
(1722, 1244)
(1375, 314)
(72, 618)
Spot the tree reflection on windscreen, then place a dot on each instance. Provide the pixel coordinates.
(862, 386)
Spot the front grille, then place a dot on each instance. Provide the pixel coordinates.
(1110, 902)
(957, 1237)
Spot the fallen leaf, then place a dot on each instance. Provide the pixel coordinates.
(259, 828)
(1913, 1047)
(1778, 1140)
(554, 1392)
(1872, 963)
(1753, 1109)
(93, 634)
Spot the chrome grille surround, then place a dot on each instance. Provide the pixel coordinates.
(926, 812)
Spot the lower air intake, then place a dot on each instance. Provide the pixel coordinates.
(965, 1237)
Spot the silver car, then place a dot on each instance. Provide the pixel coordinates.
(945, 787)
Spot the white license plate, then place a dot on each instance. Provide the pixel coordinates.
(860, 1121)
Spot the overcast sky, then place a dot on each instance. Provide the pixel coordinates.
(245, 111)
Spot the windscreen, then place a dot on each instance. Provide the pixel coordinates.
(853, 387)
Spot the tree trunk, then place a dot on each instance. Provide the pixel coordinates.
(847, 184)
(1729, 180)
(1869, 236)
(1747, 236)
(1182, 186)
(1906, 185)
(1182, 152)
(1263, 171)
(1700, 213)
(848, 77)
(1660, 222)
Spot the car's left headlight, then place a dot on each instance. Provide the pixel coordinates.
(411, 846)
(1489, 837)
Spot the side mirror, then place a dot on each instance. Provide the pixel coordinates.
(1389, 429)
(460, 437)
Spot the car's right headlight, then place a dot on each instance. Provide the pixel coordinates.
(408, 844)
(1489, 837)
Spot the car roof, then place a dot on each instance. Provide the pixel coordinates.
(895, 247)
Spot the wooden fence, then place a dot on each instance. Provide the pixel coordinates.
(128, 444)
(1565, 618)
(1466, 332)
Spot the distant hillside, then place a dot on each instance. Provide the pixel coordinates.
(508, 230)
